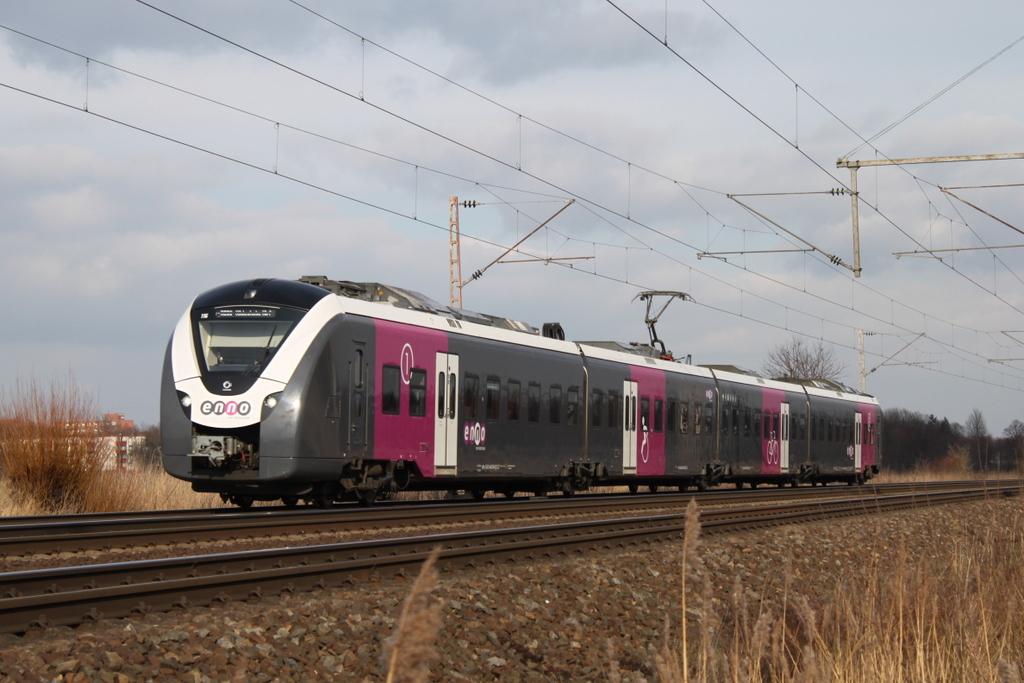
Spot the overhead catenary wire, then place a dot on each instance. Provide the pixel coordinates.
(350, 197)
(470, 148)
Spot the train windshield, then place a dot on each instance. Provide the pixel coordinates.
(242, 340)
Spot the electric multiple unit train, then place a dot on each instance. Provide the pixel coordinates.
(323, 390)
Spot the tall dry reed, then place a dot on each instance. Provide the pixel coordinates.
(408, 653)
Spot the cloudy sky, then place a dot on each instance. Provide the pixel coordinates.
(152, 150)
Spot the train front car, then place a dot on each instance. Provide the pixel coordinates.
(236, 372)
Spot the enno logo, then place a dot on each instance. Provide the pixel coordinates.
(230, 408)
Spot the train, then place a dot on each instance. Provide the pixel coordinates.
(321, 390)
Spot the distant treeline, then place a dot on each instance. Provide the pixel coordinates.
(913, 440)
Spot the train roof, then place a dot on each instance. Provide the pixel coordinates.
(412, 300)
(633, 353)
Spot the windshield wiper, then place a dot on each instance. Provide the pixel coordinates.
(258, 360)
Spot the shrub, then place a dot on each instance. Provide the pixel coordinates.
(48, 444)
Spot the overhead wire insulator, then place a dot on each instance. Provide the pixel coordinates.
(469, 204)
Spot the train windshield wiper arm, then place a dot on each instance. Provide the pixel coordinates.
(258, 360)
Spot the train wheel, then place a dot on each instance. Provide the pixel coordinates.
(739, 484)
(323, 498)
(683, 487)
(366, 498)
(633, 488)
(244, 502)
(478, 494)
(702, 484)
(753, 484)
(569, 493)
(510, 494)
(653, 488)
(290, 501)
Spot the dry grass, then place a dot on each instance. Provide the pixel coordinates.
(944, 617)
(940, 473)
(49, 463)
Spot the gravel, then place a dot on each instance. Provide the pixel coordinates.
(538, 621)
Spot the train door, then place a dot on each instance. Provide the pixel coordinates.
(357, 410)
(784, 439)
(446, 428)
(629, 436)
(857, 440)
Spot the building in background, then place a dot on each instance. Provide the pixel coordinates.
(118, 445)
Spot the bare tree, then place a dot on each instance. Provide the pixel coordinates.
(797, 359)
(1015, 435)
(977, 432)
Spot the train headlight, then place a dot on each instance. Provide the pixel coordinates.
(269, 403)
(186, 403)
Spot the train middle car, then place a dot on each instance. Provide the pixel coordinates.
(323, 390)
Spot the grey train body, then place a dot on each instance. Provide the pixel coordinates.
(324, 390)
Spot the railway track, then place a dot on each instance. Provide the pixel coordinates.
(78, 533)
(71, 595)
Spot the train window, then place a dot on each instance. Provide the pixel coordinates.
(533, 402)
(725, 421)
(747, 415)
(555, 404)
(357, 369)
(696, 418)
(775, 426)
(801, 425)
(735, 421)
(470, 394)
(452, 395)
(613, 409)
(659, 407)
(709, 418)
(512, 410)
(418, 392)
(670, 417)
(596, 407)
(389, 396)
(645, 414)
(757, 424)
(440, 395)
(831, 430)
(572, 406)
(493, 397)
(684, 418)
(357, 404)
